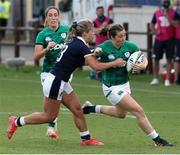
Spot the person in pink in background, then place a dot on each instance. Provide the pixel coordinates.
(162, 26)
(176, 7)
(101, 24)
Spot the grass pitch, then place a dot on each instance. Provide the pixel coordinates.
(21, 94)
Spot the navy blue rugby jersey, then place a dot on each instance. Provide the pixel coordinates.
(71, 57)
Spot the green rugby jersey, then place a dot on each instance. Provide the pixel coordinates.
(47, 35)
(118, 75)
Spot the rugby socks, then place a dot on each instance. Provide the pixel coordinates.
(154, 136)
(89, 109)
(98, 108)
(85, 135)
(20, 121)
(92, 109)
(53, 124)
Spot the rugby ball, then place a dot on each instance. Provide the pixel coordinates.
(134, 58)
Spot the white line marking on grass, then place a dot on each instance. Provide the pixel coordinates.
(22, 96)
(133, 89)
(99, 86)
(157, 91)
(20, 80)
(63, 110)
(67, 112)
(41, 96)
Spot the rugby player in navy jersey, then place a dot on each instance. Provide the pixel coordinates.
(75, 54)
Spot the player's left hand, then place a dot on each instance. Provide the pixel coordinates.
(97, 51)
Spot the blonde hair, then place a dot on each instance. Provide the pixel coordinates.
(46, 13)
(77, 28)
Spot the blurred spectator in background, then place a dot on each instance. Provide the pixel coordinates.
(176, 7)
(110, 11)
(162, 26)
(5, 8)
(101, 24)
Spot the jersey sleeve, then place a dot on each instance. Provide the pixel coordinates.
(133, 47)
(85, 50)
(100, 54)
(39, 39)
(153, 21)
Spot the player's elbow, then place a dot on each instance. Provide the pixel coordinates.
(36, 57)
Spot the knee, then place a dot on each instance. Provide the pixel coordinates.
(140, 112)
(121, 115)
(78, 112)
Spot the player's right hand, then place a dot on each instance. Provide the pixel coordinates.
(51, 45)
(119, 62)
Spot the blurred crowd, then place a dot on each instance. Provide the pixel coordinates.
(165, 25)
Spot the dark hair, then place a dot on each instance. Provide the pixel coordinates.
(77, 28)
(166, 4)
(46, 13)
(114, 29)
(99, 7)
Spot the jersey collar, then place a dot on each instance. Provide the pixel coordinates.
(80, 38)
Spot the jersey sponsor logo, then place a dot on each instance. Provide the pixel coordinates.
(63, 35)
(120, 92)
(48, 39)
(111, 57)
(59, 46)
(127, 54)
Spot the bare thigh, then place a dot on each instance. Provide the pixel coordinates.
(71, 101)
(130, 105)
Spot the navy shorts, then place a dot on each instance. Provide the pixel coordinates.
(53, 87)
(177, 50)
(161, 47)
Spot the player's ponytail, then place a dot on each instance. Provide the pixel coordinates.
(77, 28)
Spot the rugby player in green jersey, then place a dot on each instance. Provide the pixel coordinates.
(49, 42)
(116, 87)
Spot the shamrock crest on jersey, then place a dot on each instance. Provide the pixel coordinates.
(111, 57)
(63, 35)
(127, 54)
(48, 39)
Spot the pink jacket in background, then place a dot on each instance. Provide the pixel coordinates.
(163, 25)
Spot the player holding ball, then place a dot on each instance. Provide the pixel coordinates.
(116, 87)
